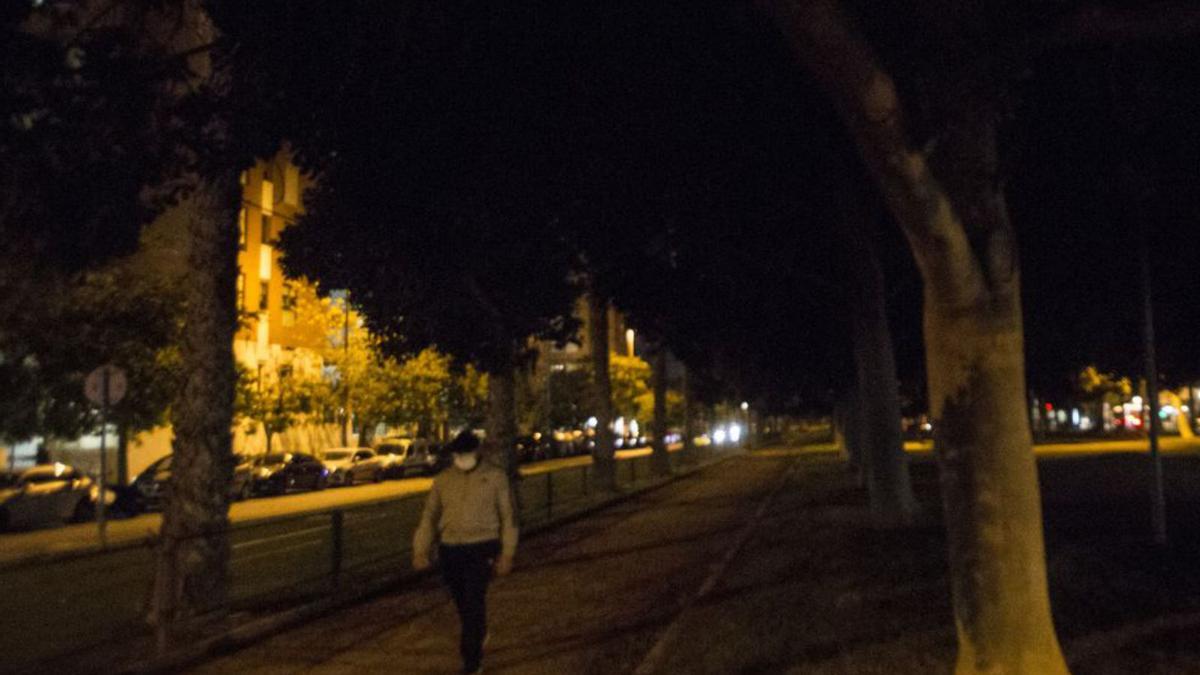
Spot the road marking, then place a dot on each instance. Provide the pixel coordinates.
(656, 658)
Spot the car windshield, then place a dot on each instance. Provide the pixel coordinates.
(390, 450)
(337, 455)
(274, 459)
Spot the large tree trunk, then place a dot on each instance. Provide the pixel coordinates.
(849, 430)
(884, 464)
(973, 337)
(604, 473)
(689, 417)
(502, 416)
(194, 561)
(662, 460)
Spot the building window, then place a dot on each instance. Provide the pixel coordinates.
(268, 187)
(242, 229)
(241, 291)
(264, 289)
(289, 304)
(265, 237)
(291, 185)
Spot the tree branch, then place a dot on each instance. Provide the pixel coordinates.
(866, 99)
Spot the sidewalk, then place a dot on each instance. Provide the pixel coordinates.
(745, 568)
(587, 597)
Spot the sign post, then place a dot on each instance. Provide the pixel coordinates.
(104, 387)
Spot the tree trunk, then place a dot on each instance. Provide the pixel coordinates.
(604, 473)
(662, 460)
(502, 417)
(689, 425)
(884, 464)
(850, 429)
(194, 564)
(366, 435)
(964, 246)
(122, 455)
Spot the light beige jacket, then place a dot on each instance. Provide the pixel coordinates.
(467, 507)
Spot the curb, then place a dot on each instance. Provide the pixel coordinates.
(259, 629)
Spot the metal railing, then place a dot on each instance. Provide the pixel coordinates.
(92, 607)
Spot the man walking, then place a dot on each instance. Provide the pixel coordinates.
(469, 513)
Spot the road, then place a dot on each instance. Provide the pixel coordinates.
(85, 536)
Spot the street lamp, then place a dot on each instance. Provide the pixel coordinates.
(746, 414)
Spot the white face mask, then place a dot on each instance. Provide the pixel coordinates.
(466, 461)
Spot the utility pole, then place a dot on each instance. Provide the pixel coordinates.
(1158, 512)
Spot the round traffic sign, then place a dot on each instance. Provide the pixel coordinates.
(105, 385)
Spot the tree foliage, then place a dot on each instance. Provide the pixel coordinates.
(117, 315)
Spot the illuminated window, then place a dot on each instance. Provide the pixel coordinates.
(288, 304)
(264, 288)
(241, 291)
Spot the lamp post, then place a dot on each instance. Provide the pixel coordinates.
(1158, 512)
(746, 415)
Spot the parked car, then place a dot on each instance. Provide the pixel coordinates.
(46, 494)
(348, 466)
(279, 473)
(149, 486)
(401, 457)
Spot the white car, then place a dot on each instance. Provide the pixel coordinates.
(402, 457)
(348, 466)
(46, 494)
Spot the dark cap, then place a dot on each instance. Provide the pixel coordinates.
(465, 441)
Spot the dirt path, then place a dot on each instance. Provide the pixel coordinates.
(590, 597)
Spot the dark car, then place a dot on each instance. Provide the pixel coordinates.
(150, 485)
(279, 473)
(534, 448)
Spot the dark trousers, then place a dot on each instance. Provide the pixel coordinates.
(467, 569)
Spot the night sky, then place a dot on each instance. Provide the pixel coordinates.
(697, 114)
